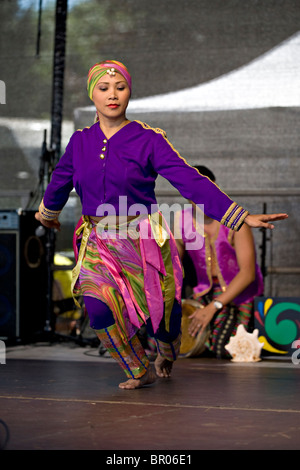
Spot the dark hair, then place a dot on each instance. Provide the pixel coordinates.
(206, 172)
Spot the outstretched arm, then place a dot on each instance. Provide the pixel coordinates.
(201, 190)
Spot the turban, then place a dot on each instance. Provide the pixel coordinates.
(100, 69)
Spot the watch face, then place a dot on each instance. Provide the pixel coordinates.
(218, 304)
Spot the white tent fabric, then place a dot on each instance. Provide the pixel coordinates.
(271, 80)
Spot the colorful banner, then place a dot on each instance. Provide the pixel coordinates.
(278, 322)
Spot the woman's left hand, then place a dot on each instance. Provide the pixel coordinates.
(262, 220)
(200, 319)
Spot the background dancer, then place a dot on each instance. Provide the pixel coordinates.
(227, 277)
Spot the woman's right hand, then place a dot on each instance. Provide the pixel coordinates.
(54, 223)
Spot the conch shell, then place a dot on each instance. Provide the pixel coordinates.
(244, 346)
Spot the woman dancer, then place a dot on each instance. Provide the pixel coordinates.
(128, 268)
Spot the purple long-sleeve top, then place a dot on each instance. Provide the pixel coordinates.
(127, 164)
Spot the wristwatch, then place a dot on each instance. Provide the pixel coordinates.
(218, 304)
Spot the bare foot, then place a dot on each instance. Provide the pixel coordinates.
(148, 378)
(163, 367)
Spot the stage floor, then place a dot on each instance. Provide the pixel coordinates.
(63, 396)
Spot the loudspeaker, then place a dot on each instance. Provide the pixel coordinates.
(9, 278)
(23, 276)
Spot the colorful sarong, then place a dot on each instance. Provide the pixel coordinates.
(225, 322)
(134, 270)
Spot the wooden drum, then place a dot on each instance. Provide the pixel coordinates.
(191, 346)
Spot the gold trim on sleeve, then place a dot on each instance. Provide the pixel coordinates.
(234, 216)
(47, 214)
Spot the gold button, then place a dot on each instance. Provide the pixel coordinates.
(102, 156)
(103, 149)
(105, 141)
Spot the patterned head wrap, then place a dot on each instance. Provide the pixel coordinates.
(100, 69)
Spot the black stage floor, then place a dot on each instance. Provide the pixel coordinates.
(69, 399)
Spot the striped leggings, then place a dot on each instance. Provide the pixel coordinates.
(130, 354)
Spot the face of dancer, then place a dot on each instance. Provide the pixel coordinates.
(111, 96)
